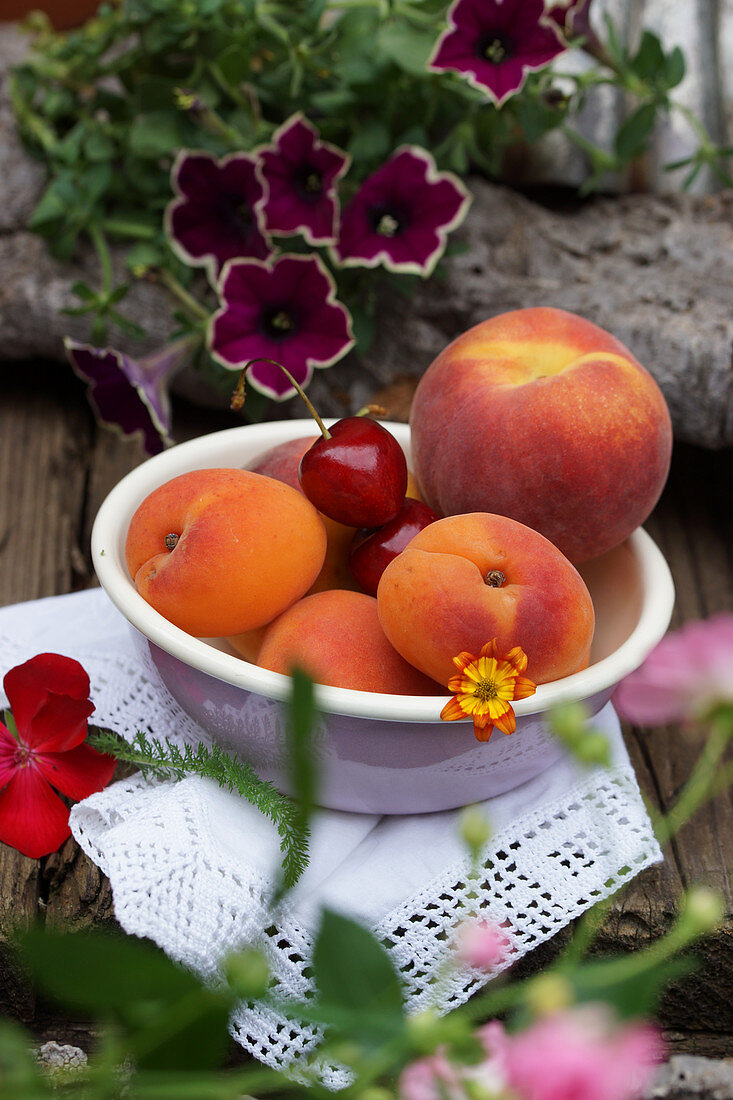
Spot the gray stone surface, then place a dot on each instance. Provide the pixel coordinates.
(656, 271)
(689, 1077)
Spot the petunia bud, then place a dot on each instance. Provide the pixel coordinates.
(247, 973)
(702, 910)
(475, 830)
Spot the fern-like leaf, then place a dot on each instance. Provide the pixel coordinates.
(168, 761)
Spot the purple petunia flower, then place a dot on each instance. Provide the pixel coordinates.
(286, 311)
(301, 173)
(572, 17)
(131, 395)
(401, 215)
(495, 43)
(216, 215)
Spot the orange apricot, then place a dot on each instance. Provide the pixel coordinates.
(223, 551)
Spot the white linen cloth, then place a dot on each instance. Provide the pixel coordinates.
(191, 866)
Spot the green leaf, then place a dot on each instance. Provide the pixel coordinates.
(98, 146)
(155, 93)
(407, 46)
(234, 65)
(536, 116)
(156, 134)
(632, 136)
(96, 180)
(333, 102)
(674, 68)
(19, 1072)
(365, 327)
(649, 61)
(353, 972)
(102, 972)
(143, 256)
(83, 291)
(371, 142)
(636, 995)
(173, 1022)
(51, 206)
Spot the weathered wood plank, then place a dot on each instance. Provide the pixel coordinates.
(44, 438)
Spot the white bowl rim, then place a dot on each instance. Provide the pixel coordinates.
(107, 544)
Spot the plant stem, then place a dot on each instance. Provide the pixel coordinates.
(105, 260)
(238, 395)
(171, 282)
(703, 780)
(128, 229)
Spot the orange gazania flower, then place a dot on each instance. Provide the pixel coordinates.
(485, 688)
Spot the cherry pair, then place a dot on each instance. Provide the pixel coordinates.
(356, 474)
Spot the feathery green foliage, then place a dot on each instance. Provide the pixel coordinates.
(165, 760)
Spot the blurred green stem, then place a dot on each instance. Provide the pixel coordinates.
(703, 781)
(171, 282)
(105, 260)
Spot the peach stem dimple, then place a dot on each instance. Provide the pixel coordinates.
(171, 541)
(494, 578)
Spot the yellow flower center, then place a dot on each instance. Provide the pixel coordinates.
(282, 321)
(495, 51)
(485, 690)
(388, 225)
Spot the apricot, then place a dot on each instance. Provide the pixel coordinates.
(467, 579)
(335, 636)
(223, 551)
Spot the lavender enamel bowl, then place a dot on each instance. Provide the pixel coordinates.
(377, 753)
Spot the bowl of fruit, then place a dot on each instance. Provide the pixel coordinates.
(242, 554)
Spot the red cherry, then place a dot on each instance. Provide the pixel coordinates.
(356, 473)
(372, 551)
(356, 476)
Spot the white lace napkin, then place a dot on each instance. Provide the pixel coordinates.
(192, 866)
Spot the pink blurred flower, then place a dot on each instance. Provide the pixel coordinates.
(435, 1078)
(483, 945)
(432, 1078)
(579, 1054)
(684, 677)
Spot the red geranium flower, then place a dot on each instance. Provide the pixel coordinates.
(49, 698)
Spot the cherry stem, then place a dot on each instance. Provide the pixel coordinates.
(238, 395)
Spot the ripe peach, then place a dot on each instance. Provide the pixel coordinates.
(542, 416)
(222, 551)
(281, 462)
(467, 579)
(335, 636)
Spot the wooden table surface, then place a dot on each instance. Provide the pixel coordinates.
(56, 466)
